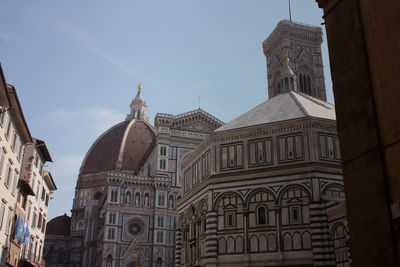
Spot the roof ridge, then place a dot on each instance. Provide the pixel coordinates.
(316, 100)
(298, 103)
(225, 125)
(123, 141)
(282, 107)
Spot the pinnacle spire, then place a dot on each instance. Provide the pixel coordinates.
(138, 106)
(286, 70)
(288, 80)
(139, 92)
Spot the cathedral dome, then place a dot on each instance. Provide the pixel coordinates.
(121, 147)
(59, 226)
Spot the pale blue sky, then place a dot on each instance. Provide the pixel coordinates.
(76, 65)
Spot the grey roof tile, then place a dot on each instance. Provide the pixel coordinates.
(286, 106)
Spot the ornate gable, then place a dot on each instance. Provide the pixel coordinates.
(195, 121)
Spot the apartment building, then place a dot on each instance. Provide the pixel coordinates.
(25, 186)
(42, 183)
(14, 134)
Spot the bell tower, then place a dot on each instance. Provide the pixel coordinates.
(138, 107)
(301, 45)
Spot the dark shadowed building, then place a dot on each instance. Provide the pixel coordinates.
(56, 245)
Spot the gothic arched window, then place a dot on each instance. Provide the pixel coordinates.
(159, 262)
(301, 83)
(109, 261)
(112, 218)
(114, 196)
(161, 199)
(308, 84)
(305, 83)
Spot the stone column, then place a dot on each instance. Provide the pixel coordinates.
(320, 241)
(246, 235)
(246, 231)
(197, 242)
(211, 236)
(178, 247)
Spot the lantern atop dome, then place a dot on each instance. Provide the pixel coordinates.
(138, 107)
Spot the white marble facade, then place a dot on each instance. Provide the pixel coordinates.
(124, 217)
(265, 195)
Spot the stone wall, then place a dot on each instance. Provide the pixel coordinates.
(363, 40)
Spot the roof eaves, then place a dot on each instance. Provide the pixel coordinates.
(41, 145)
(18, 115)
(4, 96)
(49, 181)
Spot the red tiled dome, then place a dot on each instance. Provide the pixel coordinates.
(59, 226)
(124, 144)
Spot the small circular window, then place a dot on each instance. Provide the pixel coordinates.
(135, 227)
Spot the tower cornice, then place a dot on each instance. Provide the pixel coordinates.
(294, 31)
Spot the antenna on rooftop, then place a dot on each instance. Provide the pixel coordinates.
(199, 101)
(290, 12)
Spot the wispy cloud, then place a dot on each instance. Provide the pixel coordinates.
(92, 120)
(68, 165)
(86, 41)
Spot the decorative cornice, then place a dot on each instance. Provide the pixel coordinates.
(268, 131)
(124, 179)
(171, 120)
(293, 31)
